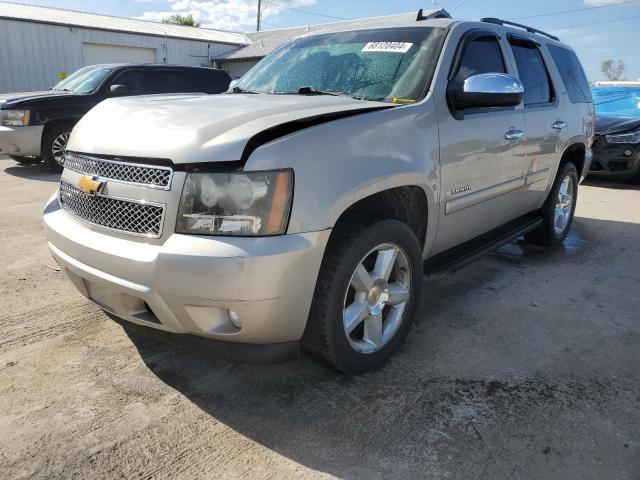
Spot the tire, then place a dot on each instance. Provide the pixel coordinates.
(357, 246)
(554, 228)
(26, 160)
(54, 138)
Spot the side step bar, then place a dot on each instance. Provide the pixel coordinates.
(452, 260)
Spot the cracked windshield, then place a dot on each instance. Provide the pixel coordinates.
(391, 65)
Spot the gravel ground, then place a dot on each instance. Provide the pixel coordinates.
(524, 365)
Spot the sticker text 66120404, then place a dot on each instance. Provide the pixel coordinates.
(394, 47)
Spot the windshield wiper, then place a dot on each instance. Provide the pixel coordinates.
(242, 90)
(314, 91)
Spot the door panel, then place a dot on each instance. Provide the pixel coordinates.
(482, 172)
(543, 118)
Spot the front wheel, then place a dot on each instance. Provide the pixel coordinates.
(558, 210)
(366, 295)
(54, 146)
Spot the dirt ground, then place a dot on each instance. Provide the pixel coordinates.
(525, 364)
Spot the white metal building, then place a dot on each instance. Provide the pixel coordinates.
(37, 43)
(240, 61)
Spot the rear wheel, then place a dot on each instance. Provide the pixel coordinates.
(366, 295)
(558, 210)
(54, 146)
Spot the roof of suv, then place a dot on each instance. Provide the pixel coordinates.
(150, 65)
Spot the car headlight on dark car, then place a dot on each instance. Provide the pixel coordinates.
(633, 137)
(236, 203)
(14, 118)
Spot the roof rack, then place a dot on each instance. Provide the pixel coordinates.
(497, 21)
(430, 14)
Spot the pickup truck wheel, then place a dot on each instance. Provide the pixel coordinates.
(558, 210)
(366, 295)
(25, 160)
(54, 145)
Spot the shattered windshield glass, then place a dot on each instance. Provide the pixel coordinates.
(391, 64)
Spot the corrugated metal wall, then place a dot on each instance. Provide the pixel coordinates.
(32, 54)
(238, 68)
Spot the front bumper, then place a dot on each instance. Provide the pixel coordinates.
(189, 284)
(615, 159)
(21, 141)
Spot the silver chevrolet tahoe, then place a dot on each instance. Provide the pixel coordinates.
(303, 208)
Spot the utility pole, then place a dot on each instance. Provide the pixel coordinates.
(259, 21)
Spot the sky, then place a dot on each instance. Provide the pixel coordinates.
(596, 29)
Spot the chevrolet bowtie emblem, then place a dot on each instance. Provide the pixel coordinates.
(90, 184)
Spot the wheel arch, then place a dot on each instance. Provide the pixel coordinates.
(408, 203)
(576, 153)
(56, 122)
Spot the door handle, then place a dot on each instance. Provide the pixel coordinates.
(559, 125)
(514, 134)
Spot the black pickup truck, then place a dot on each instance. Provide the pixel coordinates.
(35, 126)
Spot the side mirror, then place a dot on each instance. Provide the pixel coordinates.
(489, 90)
(231, 85)
(118, 90)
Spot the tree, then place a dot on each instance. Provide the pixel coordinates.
(178, 19)
(612, 71)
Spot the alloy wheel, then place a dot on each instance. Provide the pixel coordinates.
(59, 147)
(376, 298)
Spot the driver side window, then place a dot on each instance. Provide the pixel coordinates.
(481, 55)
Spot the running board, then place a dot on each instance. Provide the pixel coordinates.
(452, 260)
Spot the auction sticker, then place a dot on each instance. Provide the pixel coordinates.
(393, 47)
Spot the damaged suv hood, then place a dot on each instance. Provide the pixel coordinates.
(606, 124)
(200, 128)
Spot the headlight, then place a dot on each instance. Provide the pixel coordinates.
(236, 203)
(633, 137)
(14, 118)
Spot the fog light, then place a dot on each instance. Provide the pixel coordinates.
(234, 318)
(628, 153)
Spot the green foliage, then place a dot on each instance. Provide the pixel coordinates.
(186, 20)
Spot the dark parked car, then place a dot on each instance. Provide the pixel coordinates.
(616, 148)
(36, 126)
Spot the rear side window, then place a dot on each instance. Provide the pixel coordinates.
(532, 72)
(573, 77)
(173, 81)
(138, 82)
(481, 55)
(210, 81)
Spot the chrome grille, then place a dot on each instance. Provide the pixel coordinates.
(126, 216)
(154, 176)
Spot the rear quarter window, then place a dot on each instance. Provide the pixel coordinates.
(211, 81)
(572, 74)
(173, 81)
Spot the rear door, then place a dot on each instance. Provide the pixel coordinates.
(544, 117)
(482, 171)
